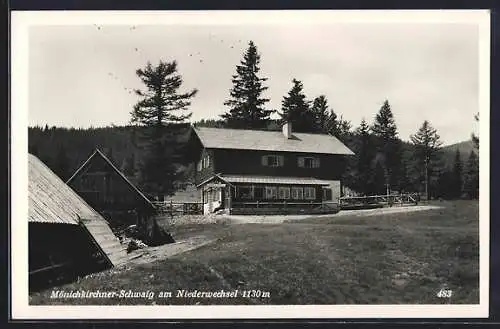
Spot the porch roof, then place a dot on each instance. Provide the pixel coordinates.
(272, 180)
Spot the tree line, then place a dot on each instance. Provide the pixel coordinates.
(152, 151)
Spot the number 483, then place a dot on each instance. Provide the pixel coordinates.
(443, 293)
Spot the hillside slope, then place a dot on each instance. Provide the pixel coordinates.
(464, 148)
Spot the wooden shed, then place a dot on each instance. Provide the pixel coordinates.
(107, 190)
(67, 238)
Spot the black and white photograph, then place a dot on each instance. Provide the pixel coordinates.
(250, 164)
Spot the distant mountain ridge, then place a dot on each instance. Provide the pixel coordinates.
(464, 148)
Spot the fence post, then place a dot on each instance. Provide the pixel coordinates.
(171, 210)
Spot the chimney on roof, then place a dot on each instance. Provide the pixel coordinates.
(287, 129)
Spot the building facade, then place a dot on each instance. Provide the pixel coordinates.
(250, 171)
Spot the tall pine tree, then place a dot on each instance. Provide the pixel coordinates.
(321, 112)
(364, 157)
(426, 153)
(456, 187)
(388, 144)
(295, 109)
(475, 139)
(246, 105)
(160, 107)
(471, 176)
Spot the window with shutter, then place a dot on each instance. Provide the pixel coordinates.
(273, 161)
(281, 161)
(301, 162)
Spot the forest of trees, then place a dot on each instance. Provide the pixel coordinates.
(150, 150)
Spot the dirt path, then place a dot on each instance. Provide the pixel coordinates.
(151, 254)
(278, 219)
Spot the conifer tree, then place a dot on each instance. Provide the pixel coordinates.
(475, 139)
(471, 176)
(320, 110)
(388, 144)
(426, 153)
(379, 180)
(364, 157)
(246, 105)
(456, 179)
(295, 109)
(160, 107)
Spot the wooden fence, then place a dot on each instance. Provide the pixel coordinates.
(382, 200)
(179, 208)
(283, 207)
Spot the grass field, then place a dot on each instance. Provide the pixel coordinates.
(388, 259)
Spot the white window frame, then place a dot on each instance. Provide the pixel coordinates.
(250, 187)
(315, 162)
(309, 193)
(284, 192)
(297, 193)
(278, 160)
(271, 192)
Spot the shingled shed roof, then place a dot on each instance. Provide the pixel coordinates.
(51, 200)
(240, 139)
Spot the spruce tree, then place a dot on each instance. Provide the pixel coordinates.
(388, 144)
(161, 106)
(475, 139)
(379, 178)
(364, 157)
(321, 114)
(456, 179)
(426, 153)
(246, 105)
(471, 176)
(295, 109)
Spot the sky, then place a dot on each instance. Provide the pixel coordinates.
(82, 75)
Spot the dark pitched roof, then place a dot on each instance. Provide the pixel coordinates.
(240, 139)
(97, 152)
